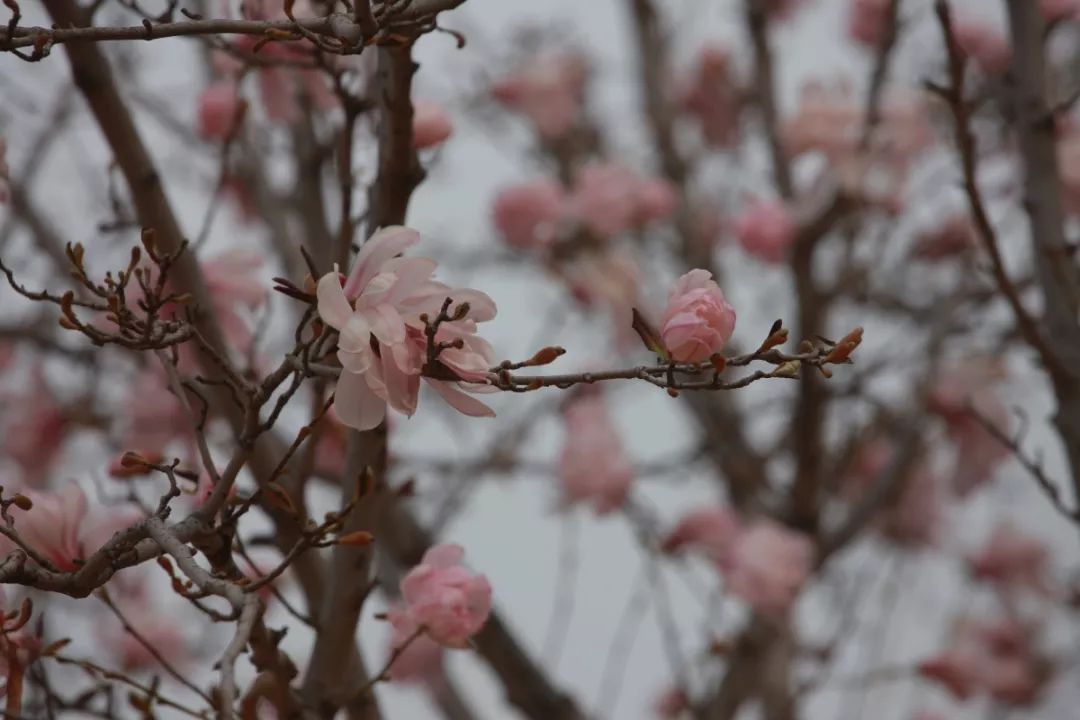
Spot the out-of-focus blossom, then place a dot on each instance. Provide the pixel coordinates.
(766, 229)
(1011, 558)
(712, 97)
(1058, 10)
(593, 467)
(672, 704)
(529, 216)
(60, 527)
(442, 598)
(234, 285)
(550, 92)
(35, 429)
(994, 658)
(419, 661)
(330, 446)
(381, 343)
(955, 236)
(153, 416)
(162, 633)
(219, 106)
(698, 320)
(609, 199)
(868, 20)
(768, 566)
(5, 173)
(710, 530)
(984, 45)
(431, 124)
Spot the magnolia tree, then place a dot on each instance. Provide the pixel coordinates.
(249, 420)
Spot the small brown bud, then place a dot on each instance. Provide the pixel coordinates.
(673, 392)
(55, 647)
(149, 241)
(545, 356)
(360, 538)
(719, 362)
(777, 338)
(461, 312)
(22, 502)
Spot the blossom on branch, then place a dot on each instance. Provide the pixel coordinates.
(550, 93)
(384, 312)
(431, 124)
(766, 229)
(768, 566)
(698, 320)
(593, 466)
(712, 97)
(443, 599)
(529, 216)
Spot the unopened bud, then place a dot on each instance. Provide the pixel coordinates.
(310, 286)
(673, 392)
(461, 312)
(777, 338)
(789, 369)
(719, 362)
(545, 356)
(360, 538)
(22, 502)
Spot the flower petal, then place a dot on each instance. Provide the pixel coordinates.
(380, 247)
(355, 403)
(460, 401)
(334, 308)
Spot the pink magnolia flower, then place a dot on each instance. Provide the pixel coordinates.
(445, 600)
(984, 45)
(710, 530)
(593, 467)
(219, 105)
(698, 321)
(712, 97)
(610, 199)
(768, 566)
(550, 93)
(35, 434)
(234, 285)
(951, 238)
(1012, 559)
(421, 660)
(529, 216)
(766, 230)
(431, 124)
(381, 344)
(60, 527)
(868, 21)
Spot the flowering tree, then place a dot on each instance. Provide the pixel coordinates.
(220, 481)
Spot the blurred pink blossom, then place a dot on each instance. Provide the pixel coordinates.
(951, 238)
(593, 467)
(161, 632)
(698, 320)
(956, 670)
(610, 199)
(711, 530)
(1058, 10)
(219, 105)
(986, 46)
(444, 599)
(529, 216)
(36, 432)
(768, 566)
(431, 124)
(868, 20)
(152, 416)
(550, 92)
(766, 229)
(234, 285)
(712, 97)
(381, 344)
(1012, 559)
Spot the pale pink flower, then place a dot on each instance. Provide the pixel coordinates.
(219, 106)
(444, 599)
(60, 527)
(529, 216)
(987, 47)
(609, 199)
(234, 285)
(550, 92)
(953, 237)
(868, 21)
(593, 467)
(768, 566)
(766, 229)
(712, 97)
(381, 344)
(1058, 10)
(35, 430)
(1012, 559)
(153, 417)
(431, 124)
(421, 661)
(827, 121)
(330, 446)
(712, 531)
(698, 321)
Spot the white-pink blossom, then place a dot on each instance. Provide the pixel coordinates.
(593, 466)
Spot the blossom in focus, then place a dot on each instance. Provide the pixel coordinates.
(593, 467)
(766, 230)
(987, 47)
(219, 106)
(1012, 559)
(868, 20)
(442, 598)
(609, 199)
(698, 320)
(420, 661)
(768, 566)
(431, 124)
(550, 92)
(712, 97)
(955, 236)
(381, 343)
(529, 216)
(711, 530)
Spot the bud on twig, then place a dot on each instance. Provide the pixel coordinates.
(359, 538)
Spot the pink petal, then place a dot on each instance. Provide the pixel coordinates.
(380, 247)
(460, 401)
(355, 403)
(334, 308)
